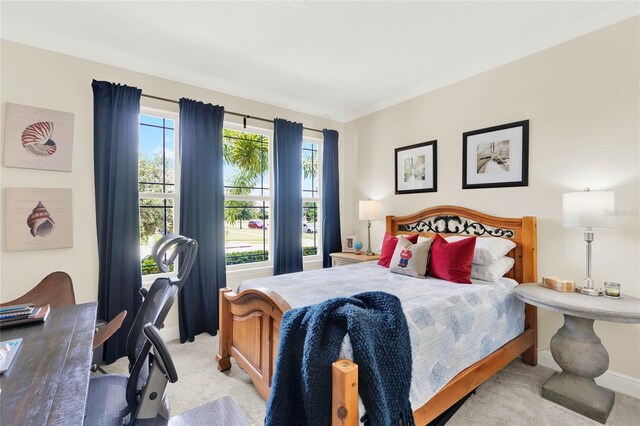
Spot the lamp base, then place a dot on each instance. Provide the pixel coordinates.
(369, 253)
(589, 291)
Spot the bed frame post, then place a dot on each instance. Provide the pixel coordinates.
(344, 393)
(530, 274)
(530, 356)
(224, 334)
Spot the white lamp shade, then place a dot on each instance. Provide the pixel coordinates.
(369, 210)
(588, 209)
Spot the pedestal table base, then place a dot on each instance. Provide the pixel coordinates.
(578, 350)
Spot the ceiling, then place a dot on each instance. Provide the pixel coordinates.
(339, 60)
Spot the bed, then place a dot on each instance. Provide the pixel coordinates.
(250, 319)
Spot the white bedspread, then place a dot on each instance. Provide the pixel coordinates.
(451, 325)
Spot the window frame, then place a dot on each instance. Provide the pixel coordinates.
(317, 200)
(269, 134)
(258, 198)
(175, 195)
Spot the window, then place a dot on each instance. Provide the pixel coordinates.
(310, 198)
(157, 183)
(247, 182)
(247, 196)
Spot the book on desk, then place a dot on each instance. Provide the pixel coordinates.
(11, 316)
(8, 351)
(8, 312)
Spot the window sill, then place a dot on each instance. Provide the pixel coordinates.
(260, 269)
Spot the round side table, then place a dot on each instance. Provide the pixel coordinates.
(576, 347)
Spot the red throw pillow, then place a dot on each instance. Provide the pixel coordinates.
(389, 246)
(452, 261)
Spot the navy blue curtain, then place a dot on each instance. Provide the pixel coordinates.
(116, 111)
(202, 215)
(331, 237)
(287, 197)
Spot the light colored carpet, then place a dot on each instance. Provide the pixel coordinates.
(511, 397)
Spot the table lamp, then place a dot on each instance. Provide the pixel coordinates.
(369, 210)
(588, 210)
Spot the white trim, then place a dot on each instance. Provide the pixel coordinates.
(250, 270)
(268, 199)
(265, 269)
(610, 379)
(318, 199)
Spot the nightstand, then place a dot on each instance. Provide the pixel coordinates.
(341, 258)
(577, 349)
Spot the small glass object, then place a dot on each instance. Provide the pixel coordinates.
(612, 290)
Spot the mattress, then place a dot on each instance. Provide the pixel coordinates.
(451, 326)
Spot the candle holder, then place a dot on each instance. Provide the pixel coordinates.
(612, 290)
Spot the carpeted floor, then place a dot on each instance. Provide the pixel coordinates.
(511, 397)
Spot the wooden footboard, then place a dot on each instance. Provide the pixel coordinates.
(250, 329)
(249, 332)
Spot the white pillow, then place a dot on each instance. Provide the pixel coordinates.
(411, 259)
(493, 272)
(488, 249)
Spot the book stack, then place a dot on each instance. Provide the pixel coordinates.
(22, 314)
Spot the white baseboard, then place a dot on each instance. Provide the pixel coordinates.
(615, 381)
(170, 333)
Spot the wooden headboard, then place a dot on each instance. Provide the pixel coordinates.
(454, 220)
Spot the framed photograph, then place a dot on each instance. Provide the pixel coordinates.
(496, 157)
(38, 218)
(348, 242)
(416, 168)
(38, 138)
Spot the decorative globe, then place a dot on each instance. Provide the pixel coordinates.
(357, 245)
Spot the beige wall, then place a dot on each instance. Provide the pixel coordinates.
(582, 100)
(46, 79)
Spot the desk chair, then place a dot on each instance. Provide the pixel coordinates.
(115, 399)
(162, 293)
(56, 289)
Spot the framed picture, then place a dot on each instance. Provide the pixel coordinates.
(38, 218)
(38, 138)
(348, 242)
(496, 157)
(416, 168)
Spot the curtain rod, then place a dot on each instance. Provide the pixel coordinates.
(245, 116)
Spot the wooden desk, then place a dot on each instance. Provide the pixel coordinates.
(48, 380)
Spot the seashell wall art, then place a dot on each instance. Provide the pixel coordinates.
(40, 221)
(38, 138)
(38, 218)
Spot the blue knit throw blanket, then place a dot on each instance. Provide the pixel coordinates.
(310, 341)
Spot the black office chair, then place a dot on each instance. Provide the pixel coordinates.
(162, 293)
(115, 400)
(153, 311)
(166, 250)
